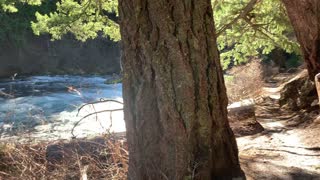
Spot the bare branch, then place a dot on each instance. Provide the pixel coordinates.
(97, 112)
(97, 102)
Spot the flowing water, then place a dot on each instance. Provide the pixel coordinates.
(46, 107)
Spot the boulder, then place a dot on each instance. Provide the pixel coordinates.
(63, 151)
(298, 93)
(242, 118)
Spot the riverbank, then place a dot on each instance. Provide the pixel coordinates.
(281, 151)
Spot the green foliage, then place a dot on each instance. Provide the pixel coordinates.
(261, 30)
(16, 26)
(228, 78)
(85, 19)
(242, 32)
(114, 80)
(293, 61)
(11, 5)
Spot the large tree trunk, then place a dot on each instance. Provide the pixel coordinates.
(305, 18)
(174, 94)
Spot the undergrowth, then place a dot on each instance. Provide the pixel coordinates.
(98, 158)
(245, 81)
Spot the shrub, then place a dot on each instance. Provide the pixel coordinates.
(245, 81)
(98, 158)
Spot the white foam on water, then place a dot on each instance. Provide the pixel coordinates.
(45, 108)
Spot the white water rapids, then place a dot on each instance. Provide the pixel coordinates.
(45, 107)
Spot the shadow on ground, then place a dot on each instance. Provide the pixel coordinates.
(287, 149)
(260, 167)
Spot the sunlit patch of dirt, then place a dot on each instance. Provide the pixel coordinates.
(288, 148)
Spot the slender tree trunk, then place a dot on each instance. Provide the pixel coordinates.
(305, 18)
(174, 94)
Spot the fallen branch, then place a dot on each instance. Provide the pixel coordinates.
(6, 94)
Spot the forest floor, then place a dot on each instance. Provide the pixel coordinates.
(289, 146)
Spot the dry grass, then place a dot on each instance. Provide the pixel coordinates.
(98, 158)
(245, 81)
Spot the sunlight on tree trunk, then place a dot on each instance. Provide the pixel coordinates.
(174, 94)
(317, 83)
(305, 18)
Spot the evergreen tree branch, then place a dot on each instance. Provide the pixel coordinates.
(244, 12)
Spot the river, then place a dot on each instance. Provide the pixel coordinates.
(46, 107)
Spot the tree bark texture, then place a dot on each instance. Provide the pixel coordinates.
(305, 19)
(174, 94)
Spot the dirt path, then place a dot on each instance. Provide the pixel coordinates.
(286, 149)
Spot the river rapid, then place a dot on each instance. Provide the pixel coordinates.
(46, 107)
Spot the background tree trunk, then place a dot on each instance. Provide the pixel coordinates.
(305, 19)
(174, 94)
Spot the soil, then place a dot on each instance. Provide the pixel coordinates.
(289, 146)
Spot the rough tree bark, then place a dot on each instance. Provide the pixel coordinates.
(174, 95)
(305, 19)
